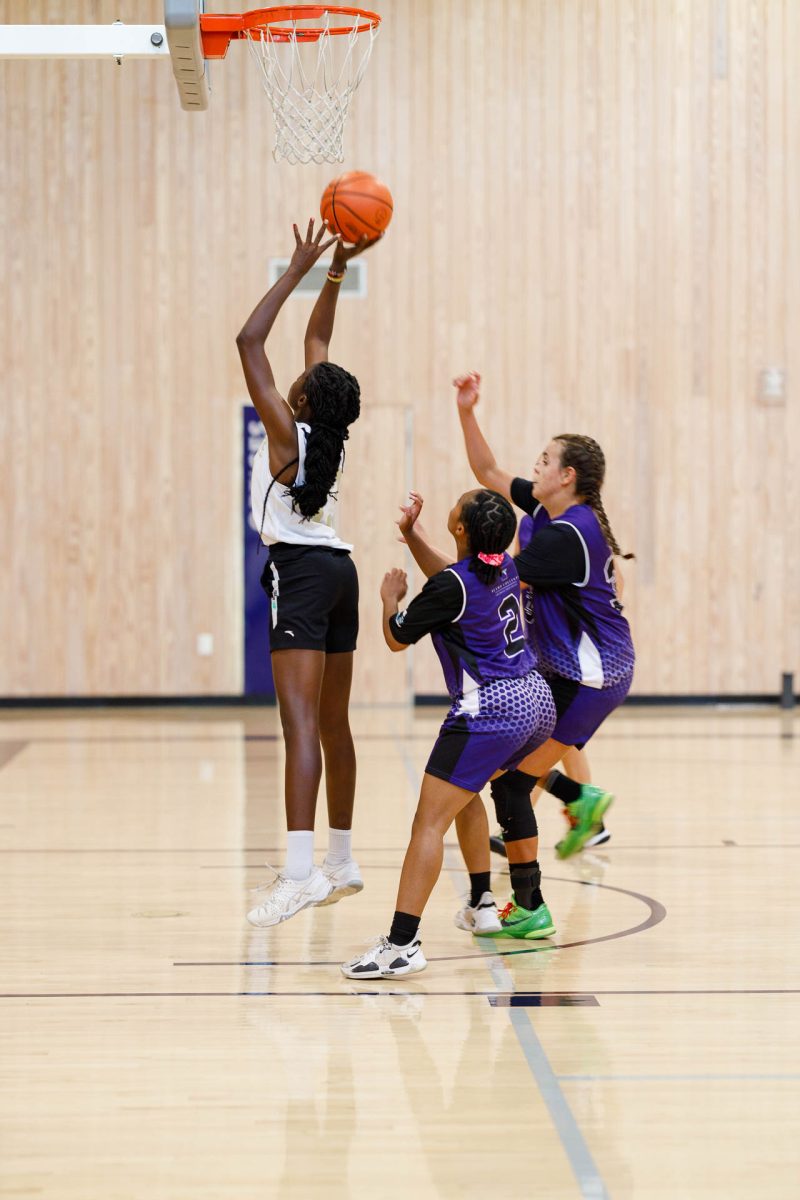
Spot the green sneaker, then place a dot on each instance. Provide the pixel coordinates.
(585, 817)
(519, 922)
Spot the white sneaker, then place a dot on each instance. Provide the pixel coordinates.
(482, 918)
(345, 879)
(285, 897)
(384, 961)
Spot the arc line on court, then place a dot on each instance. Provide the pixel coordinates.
(656, 914)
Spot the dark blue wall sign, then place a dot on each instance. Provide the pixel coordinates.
(257, 668)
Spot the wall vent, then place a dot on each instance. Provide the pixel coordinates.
(354, 284)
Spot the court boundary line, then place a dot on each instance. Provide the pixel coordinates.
(725, 844)
(157, 739)
(355, 995)
(420, 700)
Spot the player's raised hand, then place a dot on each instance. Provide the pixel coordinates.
(468, 388)
(410, 514)
(306, 252)
(343, 252)
(394, 586)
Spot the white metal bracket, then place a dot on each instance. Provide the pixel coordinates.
(83, 41)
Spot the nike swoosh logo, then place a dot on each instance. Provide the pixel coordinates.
(411, 953)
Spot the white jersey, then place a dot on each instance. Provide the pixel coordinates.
(282, 523)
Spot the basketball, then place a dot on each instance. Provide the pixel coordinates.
(356, 204)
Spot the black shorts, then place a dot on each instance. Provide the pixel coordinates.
(313, 594)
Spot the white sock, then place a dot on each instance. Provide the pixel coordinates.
(299, 854)
(339, 846)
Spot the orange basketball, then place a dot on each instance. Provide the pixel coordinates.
(356, 204)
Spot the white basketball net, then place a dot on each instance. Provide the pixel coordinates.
(310, 85)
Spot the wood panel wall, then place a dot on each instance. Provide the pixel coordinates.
(596, 206)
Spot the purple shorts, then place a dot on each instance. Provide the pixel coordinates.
(492, 729)
(581, 709)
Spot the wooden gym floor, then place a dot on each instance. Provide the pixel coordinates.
(154, 1045)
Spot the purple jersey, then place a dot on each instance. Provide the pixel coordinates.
(574, 620)
(525, 531)
(476, 628)
(524, 535)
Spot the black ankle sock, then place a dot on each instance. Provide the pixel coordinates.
(479, 882)
(562, 787)
(526, 881)
(404, 929)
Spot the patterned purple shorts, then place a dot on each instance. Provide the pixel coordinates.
(582, 710)
(492, 729)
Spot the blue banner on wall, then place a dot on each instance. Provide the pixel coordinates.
(257, 667)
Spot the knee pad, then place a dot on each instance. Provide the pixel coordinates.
(512, 803)
(499, 791)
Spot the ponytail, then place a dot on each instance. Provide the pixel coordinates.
(490, 524)
(588, 462)
(334, 399)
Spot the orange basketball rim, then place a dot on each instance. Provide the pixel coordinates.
(279, 24)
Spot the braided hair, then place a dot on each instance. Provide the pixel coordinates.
(490, 525)
(587, 460)
(335, 401)
(334, 398)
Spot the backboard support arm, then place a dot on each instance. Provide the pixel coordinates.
(178, 39)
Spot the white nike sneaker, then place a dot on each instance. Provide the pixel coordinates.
(383, 960)
(482, 918)
(284, 897)
(345, 879)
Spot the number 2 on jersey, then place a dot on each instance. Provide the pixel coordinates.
(509, 613)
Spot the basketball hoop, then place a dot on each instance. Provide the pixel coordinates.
(312, 58)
